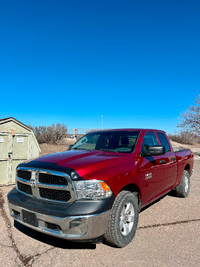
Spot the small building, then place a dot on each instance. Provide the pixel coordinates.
(17, 144)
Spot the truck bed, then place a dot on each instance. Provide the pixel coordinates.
(184, 157)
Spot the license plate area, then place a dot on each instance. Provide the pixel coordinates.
(29, 218)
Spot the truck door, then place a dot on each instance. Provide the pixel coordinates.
(168, 162)
(151, 171)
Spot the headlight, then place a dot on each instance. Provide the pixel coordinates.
(92, 189)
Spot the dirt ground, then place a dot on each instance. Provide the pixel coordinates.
(168, 234)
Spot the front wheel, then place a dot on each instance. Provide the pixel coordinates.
(123, 220)
(183, 189)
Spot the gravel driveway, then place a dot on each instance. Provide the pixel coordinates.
(168, 234)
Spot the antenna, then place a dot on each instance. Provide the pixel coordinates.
(102, 122)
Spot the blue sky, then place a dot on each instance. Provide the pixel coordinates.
(135, 62)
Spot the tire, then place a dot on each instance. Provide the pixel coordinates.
(123, 220)
(183, 189)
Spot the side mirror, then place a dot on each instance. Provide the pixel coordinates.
(153, 151)
(69, 147)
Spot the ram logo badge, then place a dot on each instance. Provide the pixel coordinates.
(33, 183)
(148, 176)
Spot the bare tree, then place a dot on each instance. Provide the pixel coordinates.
(50, 134)
(185, 138)
(190, 120)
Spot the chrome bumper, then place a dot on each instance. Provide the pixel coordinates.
(71, 228)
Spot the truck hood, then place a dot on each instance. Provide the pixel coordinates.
(87, 163)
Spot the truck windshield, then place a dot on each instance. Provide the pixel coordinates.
(114, 141)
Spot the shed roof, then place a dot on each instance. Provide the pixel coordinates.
(18, 122)
(22, 125)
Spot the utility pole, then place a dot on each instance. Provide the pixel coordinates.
(102, 122)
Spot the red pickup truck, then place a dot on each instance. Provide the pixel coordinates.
(97, 188)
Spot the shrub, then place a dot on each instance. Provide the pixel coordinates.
(50, 134)
(185, 138)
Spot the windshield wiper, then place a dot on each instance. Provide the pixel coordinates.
(104, 149)
(79, 148)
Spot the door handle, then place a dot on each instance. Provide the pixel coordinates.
(162, 161)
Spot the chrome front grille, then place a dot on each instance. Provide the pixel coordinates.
(55, 194)
(24, 188)
(47, 178)
(26, 175)
(45, 184)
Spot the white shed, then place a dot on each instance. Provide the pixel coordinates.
(17, 144)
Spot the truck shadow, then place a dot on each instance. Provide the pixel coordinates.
(151, 204)
(51, 240)
(172, 193)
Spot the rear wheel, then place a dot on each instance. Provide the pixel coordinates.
(123, 220)
(183, 189)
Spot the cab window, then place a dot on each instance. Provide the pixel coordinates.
(163, 141)
(149, 140)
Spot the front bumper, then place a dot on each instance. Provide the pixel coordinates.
(57, 221)
(72, 228)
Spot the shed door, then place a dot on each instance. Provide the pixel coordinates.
(5, 149)
(19, 152)
(20, 147)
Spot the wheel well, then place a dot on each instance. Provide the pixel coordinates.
(187, 168)
(133, 188)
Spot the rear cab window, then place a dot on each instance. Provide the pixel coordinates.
(163, 141)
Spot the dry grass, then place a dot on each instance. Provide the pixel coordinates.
(48, 148)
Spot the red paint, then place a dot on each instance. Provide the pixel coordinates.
(122, 169)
